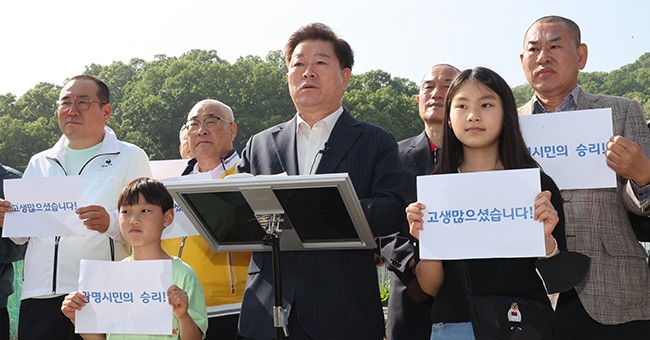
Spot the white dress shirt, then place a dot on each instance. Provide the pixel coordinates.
(310, 141)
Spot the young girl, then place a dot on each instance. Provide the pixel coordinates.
(146, 208)
(482, 134)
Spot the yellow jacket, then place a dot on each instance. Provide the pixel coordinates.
(222, 275)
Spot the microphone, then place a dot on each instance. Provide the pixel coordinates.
(321, 152)
(325, 148)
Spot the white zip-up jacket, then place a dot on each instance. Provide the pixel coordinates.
(52, 263)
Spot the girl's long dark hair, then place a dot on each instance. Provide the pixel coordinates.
(512, 148)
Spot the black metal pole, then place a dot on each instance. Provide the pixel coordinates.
(278, 311)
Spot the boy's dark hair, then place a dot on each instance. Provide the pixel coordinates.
(152, 190)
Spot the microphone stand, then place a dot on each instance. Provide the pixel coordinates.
(272, 226)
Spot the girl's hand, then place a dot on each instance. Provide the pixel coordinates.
(414, 215)
(545, 212)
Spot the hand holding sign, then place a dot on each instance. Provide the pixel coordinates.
(568, 150)
(5, 207)
(456, 225)
(73, 302)
(628, 160)
(95, 217)
(414, 216)
(178, 300)
(115, 305)
(43, 213)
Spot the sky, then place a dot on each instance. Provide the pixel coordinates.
(49, 41)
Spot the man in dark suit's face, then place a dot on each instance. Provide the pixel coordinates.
(316, 79)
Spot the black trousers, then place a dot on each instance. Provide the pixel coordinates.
(295, 330)
(42, 319)
(222, 328)
(573, 323)
(4, 324)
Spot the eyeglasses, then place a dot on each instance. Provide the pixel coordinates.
(209, 123)
(80, 104)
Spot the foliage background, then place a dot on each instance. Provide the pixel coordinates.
(151, 100)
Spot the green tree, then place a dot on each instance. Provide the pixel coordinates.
(151, 110)
(38, 102)
(522, 94)
(258, 94)
(117, 76)
(378, 98)
(151, 100)
(592, 82)
(21, 139)
(28, 125)
(8, 105)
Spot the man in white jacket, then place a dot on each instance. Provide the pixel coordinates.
(90, 149)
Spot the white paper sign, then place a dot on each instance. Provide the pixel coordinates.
(182, 226)
(570, 146)
(43, 207)
(128, 297)
(167, 168)
(480, 215)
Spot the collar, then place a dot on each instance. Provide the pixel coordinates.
(110, 144)
(227, 163)
(570, 103)
(329, 120)
(432, 147)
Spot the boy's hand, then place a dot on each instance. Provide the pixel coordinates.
(73, 302)
(178, 300)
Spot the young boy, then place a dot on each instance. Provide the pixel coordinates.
(146, 208)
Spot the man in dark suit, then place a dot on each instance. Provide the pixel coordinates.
(611, 302)
(327, 294)
(409, 308)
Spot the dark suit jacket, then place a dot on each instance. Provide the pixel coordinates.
(617, 286)
(409, 308)
(332, 294)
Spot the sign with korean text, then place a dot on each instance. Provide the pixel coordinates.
(43, 207)
(480, 215)
(128, 297)
(166, 168)
(570, 146)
